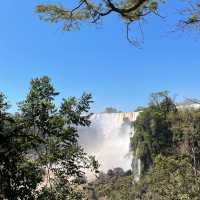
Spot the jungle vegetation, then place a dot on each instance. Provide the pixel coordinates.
(167, 141)
(40, 157)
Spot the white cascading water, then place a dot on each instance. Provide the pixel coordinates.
(108, 139)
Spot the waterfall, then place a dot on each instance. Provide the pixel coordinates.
(108, 139)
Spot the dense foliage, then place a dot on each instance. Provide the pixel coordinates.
(167, 141)
(39, 153)
(171, 177)
(113, 185)
(40, 157)
(152, 134)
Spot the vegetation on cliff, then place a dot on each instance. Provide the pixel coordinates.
(167, 141)
(40, 141)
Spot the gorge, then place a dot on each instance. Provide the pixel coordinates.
(108, 139)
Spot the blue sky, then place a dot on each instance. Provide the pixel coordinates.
(95, 59)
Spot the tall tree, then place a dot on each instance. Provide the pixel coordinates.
(42, 139)
(152, 133)
(18, 176)
(55, 144)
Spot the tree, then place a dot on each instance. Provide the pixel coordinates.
(18, 176)
(44, 138)
(167, 141)
(186, 135)
(170, 177)
(115, 185)
(152, 133)
(7, 149)
(130, 12)
(191, 16)
(91, 11)
(111, 110)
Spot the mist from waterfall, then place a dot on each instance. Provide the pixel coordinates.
(108, 139)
